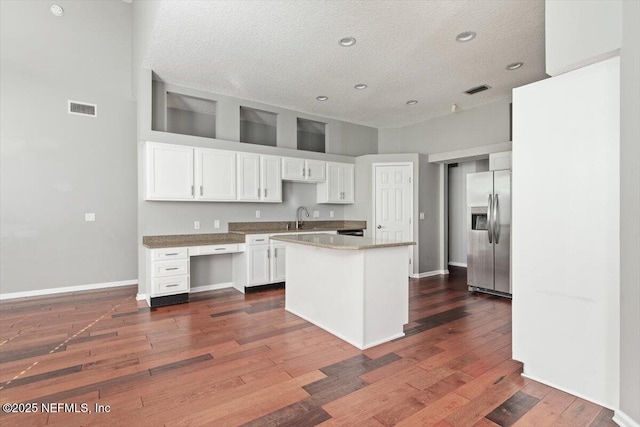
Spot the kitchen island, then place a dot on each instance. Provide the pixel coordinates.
(353, 287)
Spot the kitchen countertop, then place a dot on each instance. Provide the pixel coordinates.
(238, 230)
(332, 241)
(268, 227)
(181, 240)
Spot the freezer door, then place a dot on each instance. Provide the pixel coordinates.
(479, 232)
(502, 230)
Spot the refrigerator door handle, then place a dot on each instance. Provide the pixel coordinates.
(489, 226)
(496, 219)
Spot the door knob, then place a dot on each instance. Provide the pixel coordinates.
(379, 227)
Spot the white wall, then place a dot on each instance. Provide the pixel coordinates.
(571, 43)
(484, 125)
(56, 166)
(566, 231)
(629, 214)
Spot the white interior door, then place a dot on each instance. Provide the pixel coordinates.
(394, 204)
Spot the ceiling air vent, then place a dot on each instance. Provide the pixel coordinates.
(477, 89)
(83, 109)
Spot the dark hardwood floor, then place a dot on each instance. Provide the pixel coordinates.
(229, 359)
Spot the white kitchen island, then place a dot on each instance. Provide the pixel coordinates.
(353, 287)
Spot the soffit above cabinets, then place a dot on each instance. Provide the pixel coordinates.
(286, 53)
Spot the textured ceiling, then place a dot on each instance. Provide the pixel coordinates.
(285, 53)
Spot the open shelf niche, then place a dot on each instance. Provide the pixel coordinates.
(258, 126)
(311, 135)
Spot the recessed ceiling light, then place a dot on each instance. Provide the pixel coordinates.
(466, 36)
(322, 98)
(347, 41)
(412, 102)
(57, 10)
(360, 86)
(514, 66)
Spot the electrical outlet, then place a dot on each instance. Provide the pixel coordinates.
(316, 214)
(421, 215)
(330, 214)
(257, 214)
(216, 223)
(90, 217)
(196, 225)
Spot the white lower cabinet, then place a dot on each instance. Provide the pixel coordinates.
(258, 265)
(263, 262)
(278, 262)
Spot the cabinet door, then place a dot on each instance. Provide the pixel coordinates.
(334, 178)
(348, 183)
(257, 264)
(278, 265)
(215, 174)
(248, 176)
(169, 172)
(292, 169)
(315, 171)
(271, 179)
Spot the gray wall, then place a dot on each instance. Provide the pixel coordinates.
(457, 211)
(191, 123)
(484, 125)
(630, 212)
(56, 166)
(257, 133)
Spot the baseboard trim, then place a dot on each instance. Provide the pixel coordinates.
(566, 390)
(624, 420)
(52, 291)
(428, 274)
(458, 264)
(214, 287)
(141, 297)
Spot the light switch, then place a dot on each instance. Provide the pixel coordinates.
(257, 214)
(316, 214)
(421, 215)
(90, 217)
(216, 223)
(196, 225)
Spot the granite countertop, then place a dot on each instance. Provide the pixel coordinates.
(332, 241)
(181, 240)
(238, 230)
(266, 227)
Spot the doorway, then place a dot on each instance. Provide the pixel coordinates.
(393, 203)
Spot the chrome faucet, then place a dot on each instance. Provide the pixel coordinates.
(299, 220)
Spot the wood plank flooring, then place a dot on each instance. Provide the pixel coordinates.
(229, 359)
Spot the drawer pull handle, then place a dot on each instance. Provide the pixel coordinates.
(259, 240)
(171, 268)
(220, 249)
(173, 286)
(171, 254)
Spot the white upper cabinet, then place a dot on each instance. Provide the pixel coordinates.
(303, 170)
(215, 174)
(248, 176)
(270, 179)
(340, 184)
(500, 161)
(316, 171)
(259, 178)
(169, 172)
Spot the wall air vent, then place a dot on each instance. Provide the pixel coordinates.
(83, 109)
(477, 89)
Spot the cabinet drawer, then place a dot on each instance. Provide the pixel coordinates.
(258, 239)
(170, 268)
(169, 253)
(217, 249)
(170, 285)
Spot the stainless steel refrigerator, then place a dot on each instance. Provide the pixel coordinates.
(489, 232)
